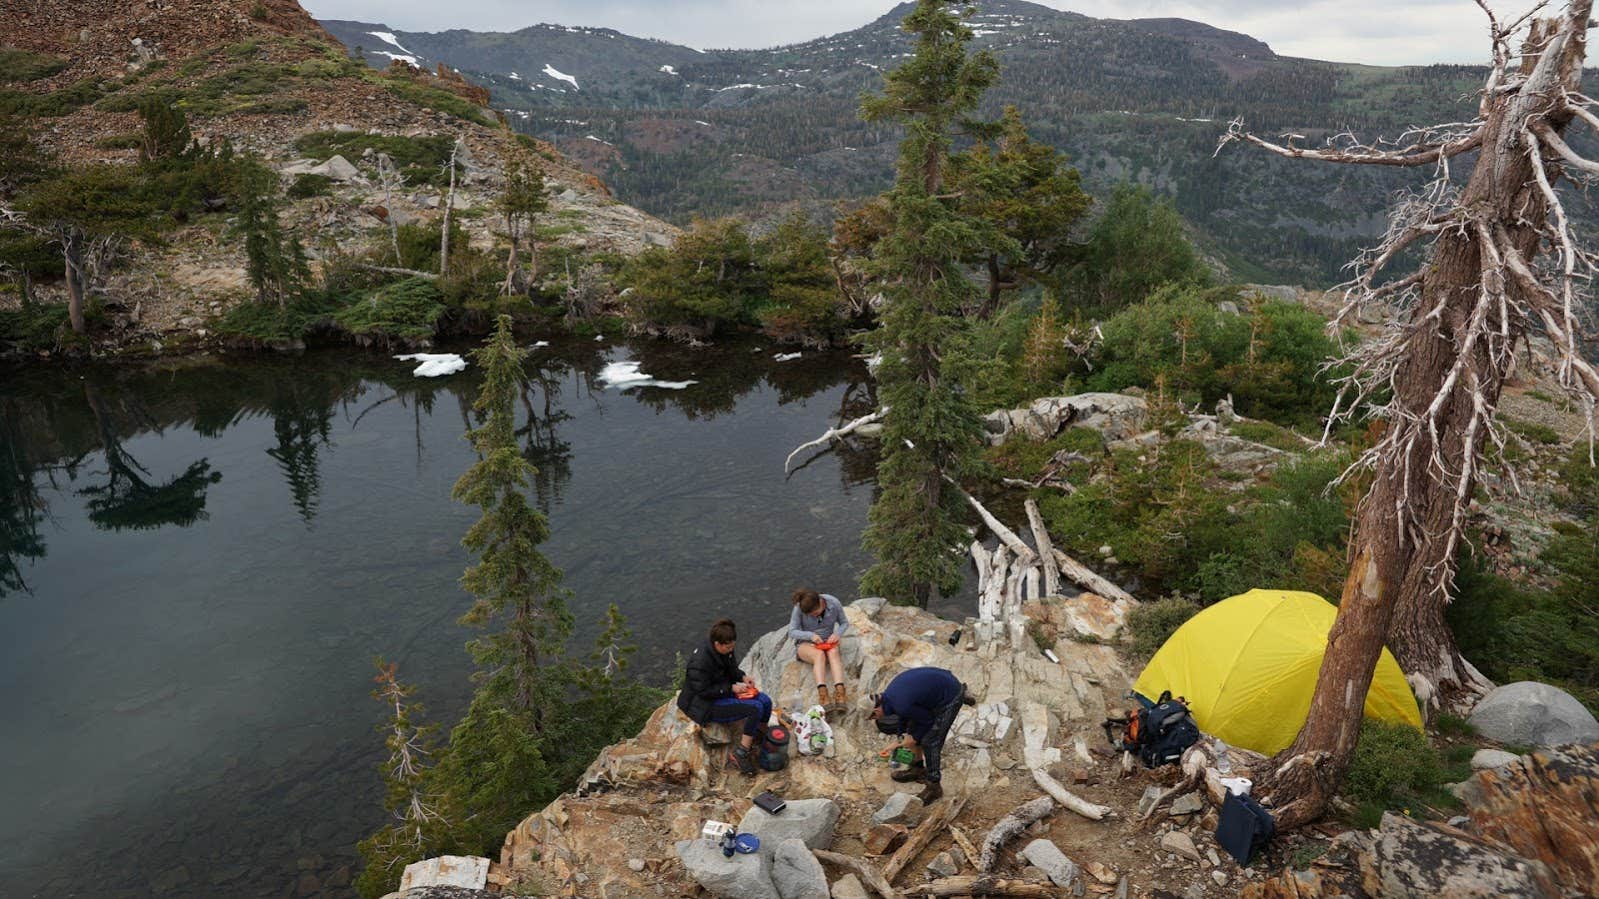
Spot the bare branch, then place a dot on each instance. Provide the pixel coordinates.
(1431, 146)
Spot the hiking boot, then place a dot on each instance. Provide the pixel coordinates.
(915, 772)
(744, 758)
(932, 793)
(822, 698)
(839, 699)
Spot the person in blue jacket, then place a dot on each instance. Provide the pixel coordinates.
(711, 687)
(919, 705)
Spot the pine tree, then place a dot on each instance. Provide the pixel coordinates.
(931, 433)
(521, 200)
(515, 585)
(274, 262)
(416, 826)
(1027, 191)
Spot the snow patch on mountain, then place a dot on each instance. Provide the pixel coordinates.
(558, 75)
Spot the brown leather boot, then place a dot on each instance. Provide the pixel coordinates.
(821, 696)
(839, 699)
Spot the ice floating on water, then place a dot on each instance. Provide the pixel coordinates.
(787, 357)
(623, 375)
(540, 345)
(435, 365)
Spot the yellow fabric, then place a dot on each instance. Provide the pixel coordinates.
(1248, 667)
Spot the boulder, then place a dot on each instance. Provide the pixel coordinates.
(1532, 714)
(339, 169)
(739, 877)
(1543, 807)
(471, 872)
(1062, 871)
(943, 865)
(1412, 859)
(796, 873)
(1114, 415)
(1488, 759)
(811, 821)
(1187, 804)
(849, 887)
(901, 808)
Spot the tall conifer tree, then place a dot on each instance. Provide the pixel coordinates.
(931, 432)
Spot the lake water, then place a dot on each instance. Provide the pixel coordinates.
(198, 563)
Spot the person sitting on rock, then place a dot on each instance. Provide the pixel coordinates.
(919, 705)
(816, 624)
(716, 690)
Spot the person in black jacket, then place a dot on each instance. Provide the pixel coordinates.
(710, 692)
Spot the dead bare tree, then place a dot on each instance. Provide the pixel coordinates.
(390, 179)
(449, 209)
(1501, 265)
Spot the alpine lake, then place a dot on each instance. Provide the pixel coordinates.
(201, 559)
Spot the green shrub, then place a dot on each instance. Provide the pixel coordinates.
(307, 185)
(803, 304)
(1150, 625)
(274, 106)
(34, 328)
(21, 66)
(404, 312)
(57, 103)
(436, 99)
(1393, 768)
(120, 142)
(707, 280)
(1533, 431)
(1024, 459)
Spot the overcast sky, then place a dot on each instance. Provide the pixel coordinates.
(1384, 32)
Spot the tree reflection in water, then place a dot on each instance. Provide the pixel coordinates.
(126, 501)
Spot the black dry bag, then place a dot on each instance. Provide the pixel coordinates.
(1244, 827)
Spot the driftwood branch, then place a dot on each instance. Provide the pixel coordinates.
(1024, 553)
(861, 868)
(1068, 799)
(933, 825)
(985, 885)
(832, 434)
(1009, 828)
(1084, 577)
(1194, 763)
(1046, 549)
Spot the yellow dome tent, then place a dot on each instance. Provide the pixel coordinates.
(1248, 667)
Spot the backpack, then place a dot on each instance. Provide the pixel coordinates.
(1244, 827)
(1160, 733)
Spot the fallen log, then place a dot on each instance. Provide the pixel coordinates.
(1084, 577)
(985, 885)
(861, 868)
(834, 434)
(1046, 549)
(1068, 799)
(408, 272)
(933, 825)
(1009, 828)
(1024, 553)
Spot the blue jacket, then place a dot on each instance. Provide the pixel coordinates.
(916, 696)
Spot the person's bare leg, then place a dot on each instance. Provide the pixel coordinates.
(818, 662)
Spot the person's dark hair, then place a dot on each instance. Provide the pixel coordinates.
(723, 631)
(809, 601)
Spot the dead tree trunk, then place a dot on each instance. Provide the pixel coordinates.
(1445, 360)
(449, 208)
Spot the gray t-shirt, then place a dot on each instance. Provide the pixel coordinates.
(815, 628)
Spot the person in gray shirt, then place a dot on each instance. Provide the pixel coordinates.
(816, 624)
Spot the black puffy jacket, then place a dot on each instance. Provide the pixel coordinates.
(710, 676)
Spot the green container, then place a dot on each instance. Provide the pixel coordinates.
(903, 756)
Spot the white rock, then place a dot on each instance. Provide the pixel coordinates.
(1488, 759)
(1532, 714)
(1180, 843)
(1062, 871)
(468, 871)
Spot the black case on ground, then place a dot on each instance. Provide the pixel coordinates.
(770, 802)
(1244, 827)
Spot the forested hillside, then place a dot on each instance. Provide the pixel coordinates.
(685, 133)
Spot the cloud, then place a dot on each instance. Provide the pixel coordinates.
(1379, 32)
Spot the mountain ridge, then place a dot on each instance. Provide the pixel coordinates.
(682, 133)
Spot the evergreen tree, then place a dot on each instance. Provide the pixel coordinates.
(931, 432)
(516, 586)
(521, 200)
(1136, 246)
(86, 214)
(1026, 190)
(803, 300)
(166, 130)
(274, 262)
(416, 826)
